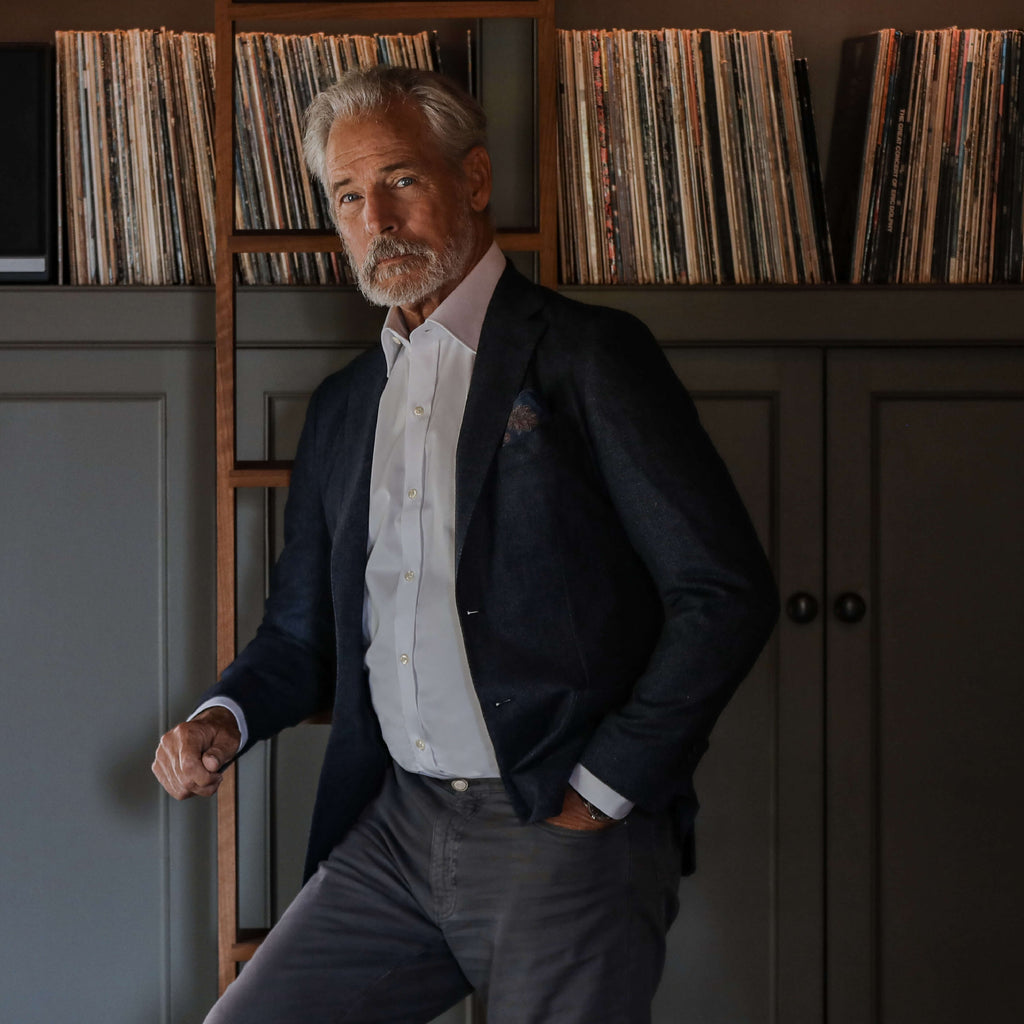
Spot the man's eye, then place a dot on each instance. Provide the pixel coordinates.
(404, 181)
(348, 197)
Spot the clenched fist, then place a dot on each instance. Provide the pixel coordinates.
(191, 756)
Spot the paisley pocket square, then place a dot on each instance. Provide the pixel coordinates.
(526, 415)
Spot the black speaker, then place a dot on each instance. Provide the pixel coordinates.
(28, 192)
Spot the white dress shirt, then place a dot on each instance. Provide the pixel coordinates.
(420, 683)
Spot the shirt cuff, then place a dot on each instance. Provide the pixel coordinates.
(227, 702)
(603, 797)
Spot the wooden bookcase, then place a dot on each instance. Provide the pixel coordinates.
(234, 944)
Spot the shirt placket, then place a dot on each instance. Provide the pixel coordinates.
(423, 353)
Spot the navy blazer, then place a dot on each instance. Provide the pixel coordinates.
(611, 589)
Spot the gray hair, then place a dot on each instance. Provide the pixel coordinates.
(456, 120)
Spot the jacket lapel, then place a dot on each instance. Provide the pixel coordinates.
(510, 333)
(349, 486)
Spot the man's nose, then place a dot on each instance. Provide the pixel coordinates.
(378, 214)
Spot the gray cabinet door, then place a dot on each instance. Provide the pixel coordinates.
(925, 692)
(748, 944)
(106, 606)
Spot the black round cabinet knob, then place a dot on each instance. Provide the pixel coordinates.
(802, 608)
(850, 607)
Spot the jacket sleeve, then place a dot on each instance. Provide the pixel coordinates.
(685, 519)
(286, 673)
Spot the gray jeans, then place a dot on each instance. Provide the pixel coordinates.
(436, 892)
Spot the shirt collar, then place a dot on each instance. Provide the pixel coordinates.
(462, 313)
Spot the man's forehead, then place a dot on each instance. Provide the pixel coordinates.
(402, 120)
(391, 133)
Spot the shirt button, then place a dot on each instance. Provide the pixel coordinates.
(410, 576)
(404, 659)
(420, 745)
(418, 411)
(460, 785)
(413, 492)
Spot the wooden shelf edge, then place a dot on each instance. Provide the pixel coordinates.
(307, 240)
(260, 474)
(315, 240)
(520, 241)
(385, 9)
(248, 941)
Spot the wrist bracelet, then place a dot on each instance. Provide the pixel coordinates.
(595, 812)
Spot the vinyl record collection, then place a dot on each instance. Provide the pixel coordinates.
(926, 169)
(687, 156)
(136, 140)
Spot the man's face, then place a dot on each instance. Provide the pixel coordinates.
(404, 214)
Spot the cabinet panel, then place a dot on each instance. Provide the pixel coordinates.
(277, 780)
(926, 707)
(105, 542)
(748, 942)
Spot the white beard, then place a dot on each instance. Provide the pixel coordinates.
(426, 271)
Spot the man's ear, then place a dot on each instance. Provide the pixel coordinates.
(476, 165)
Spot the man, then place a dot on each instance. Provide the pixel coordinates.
(519, 573)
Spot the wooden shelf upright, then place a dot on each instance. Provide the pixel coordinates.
(235, 945)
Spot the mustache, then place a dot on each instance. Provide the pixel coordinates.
(384, 247)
